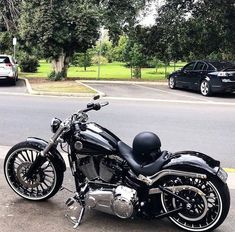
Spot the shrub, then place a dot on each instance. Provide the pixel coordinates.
(53, 76)
(28, 63)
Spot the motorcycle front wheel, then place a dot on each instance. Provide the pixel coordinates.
(209, 202)
(44, 184)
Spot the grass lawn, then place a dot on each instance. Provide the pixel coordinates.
(113, 71)
(60, 86)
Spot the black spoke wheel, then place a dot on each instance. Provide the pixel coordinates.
(46, 181)
(208, 205)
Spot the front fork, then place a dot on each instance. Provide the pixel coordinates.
(42, 157)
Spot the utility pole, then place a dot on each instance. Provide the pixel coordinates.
(14, 46)
(99, 53)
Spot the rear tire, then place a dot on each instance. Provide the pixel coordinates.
(210, 200)
(44, 184)
(171, 83)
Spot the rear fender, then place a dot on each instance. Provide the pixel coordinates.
(54, 153)
(192, 161)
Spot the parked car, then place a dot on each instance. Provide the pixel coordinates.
(8, 69)
(204, 76)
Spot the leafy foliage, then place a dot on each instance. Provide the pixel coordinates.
(28, 63)
(56, 76)
(99, 59)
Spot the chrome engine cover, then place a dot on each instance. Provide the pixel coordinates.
(120, 201)
(124, 201)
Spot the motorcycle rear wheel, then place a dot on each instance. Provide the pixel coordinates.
(44, 184)
(209, 201)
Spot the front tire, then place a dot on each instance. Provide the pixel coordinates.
(205, 88)
(209, 199)
(44, 184)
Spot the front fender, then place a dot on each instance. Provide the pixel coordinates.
(54, 153)
(192, 161)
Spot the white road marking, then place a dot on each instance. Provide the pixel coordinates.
(171, 101)
(173, 93)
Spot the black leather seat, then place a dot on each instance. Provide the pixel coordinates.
(146, 170)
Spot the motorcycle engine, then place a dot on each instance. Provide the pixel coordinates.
(120, 201)
(106, 169)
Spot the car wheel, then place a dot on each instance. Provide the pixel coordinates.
(205, 88)
(171, 83)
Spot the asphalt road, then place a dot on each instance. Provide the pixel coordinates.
(207, 128)
(183, 123)
(11, 89)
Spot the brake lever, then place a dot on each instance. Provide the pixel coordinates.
(102, 104)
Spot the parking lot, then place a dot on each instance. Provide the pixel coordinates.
(19, 88)
(156, 91)
(137, 91)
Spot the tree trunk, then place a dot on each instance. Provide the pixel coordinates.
(131, 72)
(60, 65)
(85, 61)
(137, 72)
(165, 69)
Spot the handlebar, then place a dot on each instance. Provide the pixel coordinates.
(94, 106)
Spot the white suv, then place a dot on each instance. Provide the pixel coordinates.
(8, 69)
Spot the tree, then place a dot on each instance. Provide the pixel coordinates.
(9, 13)
(198, 28)
(60, 29)
(119, 48)
(120, 16)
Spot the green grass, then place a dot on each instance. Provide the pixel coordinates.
(113, 71)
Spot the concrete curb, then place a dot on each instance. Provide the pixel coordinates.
(33, 92)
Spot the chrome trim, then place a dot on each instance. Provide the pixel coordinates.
(222, 174)
(177, 188)
(149, 180)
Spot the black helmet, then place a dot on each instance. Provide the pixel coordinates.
(146, 146)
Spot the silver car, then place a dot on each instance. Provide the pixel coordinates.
(8, 69)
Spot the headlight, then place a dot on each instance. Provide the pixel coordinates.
(55, 124)
(222, 175)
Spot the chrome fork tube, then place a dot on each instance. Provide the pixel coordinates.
(53, 139)
(43, 154)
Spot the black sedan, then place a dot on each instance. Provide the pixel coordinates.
(204, 76)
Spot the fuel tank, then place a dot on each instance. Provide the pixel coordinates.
(97, 140)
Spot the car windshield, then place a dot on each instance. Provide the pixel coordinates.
(222, 65)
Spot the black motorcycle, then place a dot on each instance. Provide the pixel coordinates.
(188, 187)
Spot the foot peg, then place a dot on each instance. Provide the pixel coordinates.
(74, 212)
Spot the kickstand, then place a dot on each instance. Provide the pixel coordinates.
(79, 218)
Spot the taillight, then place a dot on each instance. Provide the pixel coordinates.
(8, 64)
